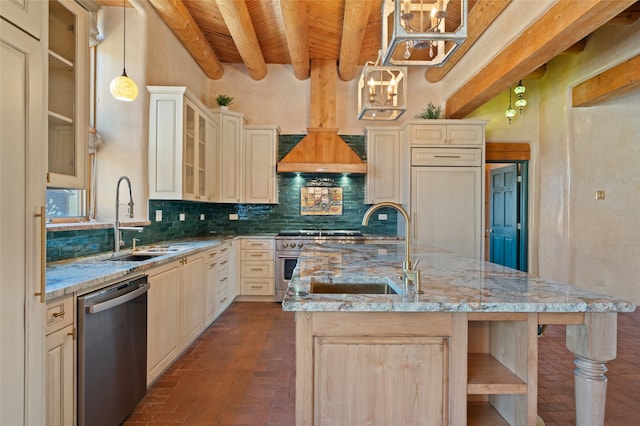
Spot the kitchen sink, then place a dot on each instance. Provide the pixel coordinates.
(159, 250)
(351, 288)
(132, 257)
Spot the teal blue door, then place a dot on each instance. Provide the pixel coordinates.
(503, 221)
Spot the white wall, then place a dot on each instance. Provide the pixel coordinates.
(576, 151)
(282, 99)
(154, 56)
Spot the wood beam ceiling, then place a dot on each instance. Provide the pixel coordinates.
(480, 17)
(236, 17)
(562, 25)
(294, 14)
(609, 84)
(181, 23)
(354, 26)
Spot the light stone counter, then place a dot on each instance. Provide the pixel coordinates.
(91, 273)
(451, 284)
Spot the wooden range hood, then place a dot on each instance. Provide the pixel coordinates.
(322, 150)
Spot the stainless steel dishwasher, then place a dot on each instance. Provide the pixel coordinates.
(112, 352)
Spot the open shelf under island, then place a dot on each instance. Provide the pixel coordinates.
(464, 352)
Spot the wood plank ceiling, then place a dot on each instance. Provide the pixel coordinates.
(261, 32)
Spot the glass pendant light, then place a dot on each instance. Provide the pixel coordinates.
(510, 112)
(122, 87)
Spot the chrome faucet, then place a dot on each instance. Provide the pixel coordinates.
(117, 229)
(408, 270)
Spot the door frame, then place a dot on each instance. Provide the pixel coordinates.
(512, 153)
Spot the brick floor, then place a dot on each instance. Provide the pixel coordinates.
(241, 372)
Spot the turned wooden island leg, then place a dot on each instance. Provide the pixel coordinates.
(593, 343)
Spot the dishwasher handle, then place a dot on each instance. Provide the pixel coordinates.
(111, 303)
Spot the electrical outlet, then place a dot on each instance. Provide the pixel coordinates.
(233, 216)
(382, 216)
(201, 216)
(182, 217)
(158, 215)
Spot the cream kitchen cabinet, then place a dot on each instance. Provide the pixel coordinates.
(60, 362)
(257, 267)
(447, 187)
(259, 153)
(182, 146)
(175, 311)
(217, 282)
(192, 309)
(25, 14)
(383, 180)
(68, 94)
(446, 132)
(225, 286)
(22, 195)
(230, 136)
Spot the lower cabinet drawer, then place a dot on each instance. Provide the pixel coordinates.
(256, 269)
(446, 157)
(257, 286)
(59, 313)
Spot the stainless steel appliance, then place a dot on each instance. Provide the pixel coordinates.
(289, 244)
(112, 352)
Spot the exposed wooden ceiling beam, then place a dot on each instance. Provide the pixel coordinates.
(236, 17)
(609, 84)
(295, 26)
(179, 20)
(480, 17)
(354, 26)
(562, 25)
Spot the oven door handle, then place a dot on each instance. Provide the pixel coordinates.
(112, 303)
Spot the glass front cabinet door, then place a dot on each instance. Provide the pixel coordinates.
(68, 95)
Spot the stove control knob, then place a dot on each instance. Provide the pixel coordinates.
(285, 244)
(300, 244)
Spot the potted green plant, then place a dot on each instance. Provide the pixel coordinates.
(224, 101)
(431, 112)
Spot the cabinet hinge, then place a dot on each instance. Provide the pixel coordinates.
(518, 226)
(519, 178)
(72, 333)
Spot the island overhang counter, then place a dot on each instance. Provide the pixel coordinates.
(464, 352)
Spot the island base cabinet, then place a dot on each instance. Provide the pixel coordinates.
(375, 366)
(380, 368)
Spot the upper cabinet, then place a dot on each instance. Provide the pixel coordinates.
(259, 152)
(383, 180)
(445, 132)
(25, 14)
(182, 146)
(68, 112)
(230, 135)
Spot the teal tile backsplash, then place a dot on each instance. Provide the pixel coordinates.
(252, 218)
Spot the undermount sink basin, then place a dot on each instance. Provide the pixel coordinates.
(352, 288)
(159, 250)
(132, 257)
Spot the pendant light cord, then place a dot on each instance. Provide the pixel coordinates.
(124, 37)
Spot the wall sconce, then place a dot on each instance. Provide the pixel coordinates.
(122, 87)
(510, 112)
(519, 91)
(382, 92)
(422, 32)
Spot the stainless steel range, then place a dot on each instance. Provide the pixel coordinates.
(289, 244)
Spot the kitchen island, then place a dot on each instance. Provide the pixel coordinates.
(464, 352)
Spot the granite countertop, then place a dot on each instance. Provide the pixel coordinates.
(451, 284)
(91, 273)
